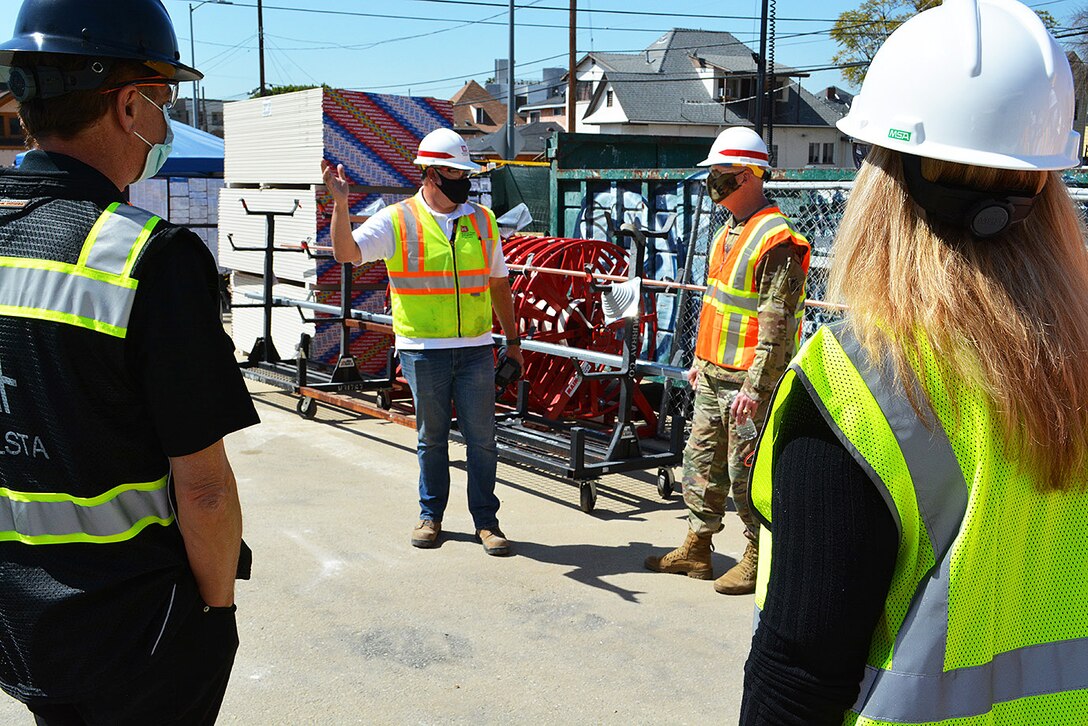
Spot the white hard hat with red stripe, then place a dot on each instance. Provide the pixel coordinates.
(738, 145)
(445, 147)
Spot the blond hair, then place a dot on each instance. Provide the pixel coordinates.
(1008, 315)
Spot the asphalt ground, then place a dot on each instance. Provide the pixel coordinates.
(345, 623)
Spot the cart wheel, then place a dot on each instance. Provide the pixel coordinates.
(587, 495)
(306, 408)
(385, 401)
(666, 484)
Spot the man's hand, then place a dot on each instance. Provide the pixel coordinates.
(743, 408)
(693, 379)
(514, 351)
(336, 181)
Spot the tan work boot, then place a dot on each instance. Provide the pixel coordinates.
(691, 558)
(741, 578)
(494, 541)
(425, 535)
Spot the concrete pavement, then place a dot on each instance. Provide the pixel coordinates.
(345, 623)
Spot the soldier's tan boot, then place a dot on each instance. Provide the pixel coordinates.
(741, 578)
(691, 558)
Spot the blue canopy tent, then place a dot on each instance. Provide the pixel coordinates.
(195, 153)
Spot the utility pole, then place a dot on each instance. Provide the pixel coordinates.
(572, 82)
(260, 41)
(761, 70)
(192, 62)
(511, 98)
(194, 117)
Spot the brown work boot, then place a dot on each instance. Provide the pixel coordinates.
(425, 535)
(741, 578)
(691, 558)
(494, 541)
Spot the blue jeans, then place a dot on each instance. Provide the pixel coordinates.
(465, 376)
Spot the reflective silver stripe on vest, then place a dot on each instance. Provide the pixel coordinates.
(410, 238)
(60, 518)
(33, 289)
(1033, 671)
(98, 291)
(119, 227)
(718, 297)
(919, 690)
(765, 227)
(436, 280)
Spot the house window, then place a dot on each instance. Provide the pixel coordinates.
(583, 90)
(11, 133)
(534, 116)
(608, 98)
(813, 153)
(829, 154)
(479, 115)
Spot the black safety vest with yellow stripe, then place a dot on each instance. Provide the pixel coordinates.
(85, 504)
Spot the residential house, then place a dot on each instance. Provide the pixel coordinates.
(531, 143)
(696, 82)
(476, 112)
(1080, 106)
(11, 130)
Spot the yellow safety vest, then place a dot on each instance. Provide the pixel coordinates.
(96, 293)
(986, 619)
(441, 287)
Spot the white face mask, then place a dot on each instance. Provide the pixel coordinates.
(158, 153)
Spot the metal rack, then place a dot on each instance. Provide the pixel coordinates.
(264, 363)
(582, 451)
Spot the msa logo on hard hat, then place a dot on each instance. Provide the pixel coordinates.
(899, 135)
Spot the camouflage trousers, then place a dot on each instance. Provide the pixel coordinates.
(715, 459)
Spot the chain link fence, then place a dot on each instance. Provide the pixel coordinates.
(816, 208)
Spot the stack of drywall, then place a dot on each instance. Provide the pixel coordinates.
(274, 149)
(189, 201)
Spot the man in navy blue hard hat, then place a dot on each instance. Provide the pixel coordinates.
(120, 526)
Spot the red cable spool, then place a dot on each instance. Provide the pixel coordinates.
(564, 310)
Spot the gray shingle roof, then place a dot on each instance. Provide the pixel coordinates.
(668, 89)
(535, 136)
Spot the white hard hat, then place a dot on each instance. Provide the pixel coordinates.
(445, 147)
(738, 145)
(976, 82)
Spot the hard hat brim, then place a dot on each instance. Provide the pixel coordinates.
(464, 166)
(169, 69)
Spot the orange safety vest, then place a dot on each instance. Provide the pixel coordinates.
(729, 323)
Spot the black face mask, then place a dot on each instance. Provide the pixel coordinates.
(456, 190)
(721, 184)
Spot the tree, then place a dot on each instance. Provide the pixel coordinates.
(861, 32)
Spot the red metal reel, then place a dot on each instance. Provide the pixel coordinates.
(566, 311)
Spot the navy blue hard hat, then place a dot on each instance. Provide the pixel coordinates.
(138, 30)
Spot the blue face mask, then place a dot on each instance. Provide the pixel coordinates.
(158, 153)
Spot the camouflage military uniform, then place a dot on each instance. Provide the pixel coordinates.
(715, 458)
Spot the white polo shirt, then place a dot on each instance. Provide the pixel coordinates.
(377, 241)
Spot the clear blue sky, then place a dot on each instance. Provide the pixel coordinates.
(431, 47)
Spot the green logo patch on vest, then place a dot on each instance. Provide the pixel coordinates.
(899, 135)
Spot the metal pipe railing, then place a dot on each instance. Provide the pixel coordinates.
(645, 367)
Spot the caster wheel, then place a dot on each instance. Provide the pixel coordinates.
(385, 401)
(306, 408)
(666, 484)
(587, 496)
